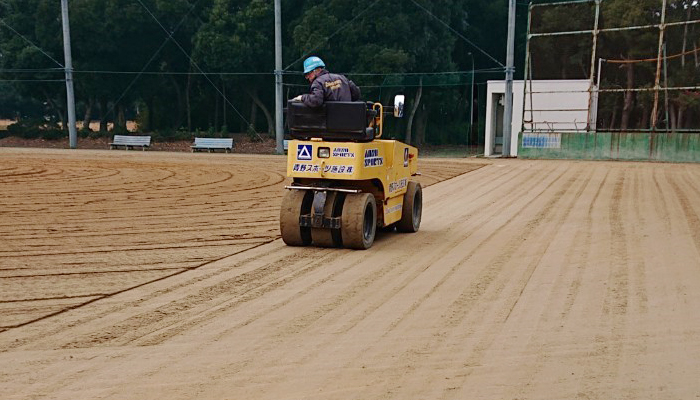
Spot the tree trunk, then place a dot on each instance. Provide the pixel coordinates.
(57, 109)
(613, 118)
(103, 115)
(689, 120)
(629, 98)
(421, 125)
(253, 114)
(409, 125)
(216, 113)
(120, 123)
(685, 36)
(645, 118)
(584, 67)
(224, 126)
(187, 100)
(88, 114)
(149, 107)
(672, 114)
(256, 99)
(563, 62)
(177, 119)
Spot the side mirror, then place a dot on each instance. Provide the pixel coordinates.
(398, 105)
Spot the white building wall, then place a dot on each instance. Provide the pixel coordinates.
(571, 95)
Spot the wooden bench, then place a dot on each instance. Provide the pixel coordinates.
(130, 142)
(210, 144)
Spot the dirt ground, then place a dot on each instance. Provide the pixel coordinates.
(153, 275)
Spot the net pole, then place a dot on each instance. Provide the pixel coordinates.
(594, 52)
(657, 81)
(527, 66)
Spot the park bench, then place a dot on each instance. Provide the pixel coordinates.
(210, 144)
(130, 142)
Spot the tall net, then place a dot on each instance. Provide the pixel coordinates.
(641, 61)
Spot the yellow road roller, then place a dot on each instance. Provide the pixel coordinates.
(347, 182)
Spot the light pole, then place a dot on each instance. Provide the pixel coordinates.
(70, 98)
(279, 128)
(510, 68)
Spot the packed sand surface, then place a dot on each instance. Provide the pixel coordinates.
(154, 275)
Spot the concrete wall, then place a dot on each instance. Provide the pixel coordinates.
(573, 96)
(642, 146)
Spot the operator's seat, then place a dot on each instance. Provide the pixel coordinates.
(333, 121)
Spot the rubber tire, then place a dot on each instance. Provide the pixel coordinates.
(412, 209)
(294, 204)
(327, 237)
(359, 221)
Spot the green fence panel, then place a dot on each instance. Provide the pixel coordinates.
(638, 146)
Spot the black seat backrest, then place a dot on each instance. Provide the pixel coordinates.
(335, 120)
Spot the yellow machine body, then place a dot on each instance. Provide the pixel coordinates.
(344, 190)
(381, 167)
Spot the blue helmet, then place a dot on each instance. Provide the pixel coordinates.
(312, 63)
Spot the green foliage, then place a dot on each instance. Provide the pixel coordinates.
(170, 135)
(98, 134)
(36, 129)
(170, 98)
(252, 135)
(84, 133)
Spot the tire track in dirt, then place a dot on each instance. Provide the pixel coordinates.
(272, 179)
(663, 210)
(612, 340)
(105, 243)
(242, 288)
(605, 351)
(110, 311)
(359, 324)
(412, 353)
(352, 290)
(57, 274)
(545, 311)
(33, 173)
(69, 214)
(300, 259)
(301, 324)
(488, 285)
(578, 254)
(276, 306)
(473, 219)
(233, 303)
(691, 215)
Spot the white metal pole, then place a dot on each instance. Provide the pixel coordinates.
(510, 68)
(70, 97)
(279, 128)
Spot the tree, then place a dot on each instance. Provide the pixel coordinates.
(240, 28)
(115, 40)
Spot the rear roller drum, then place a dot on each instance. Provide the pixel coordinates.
(294, 204)
(359, 221)
(324, 237)
(412, 208)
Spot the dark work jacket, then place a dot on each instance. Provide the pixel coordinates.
(330, 87)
